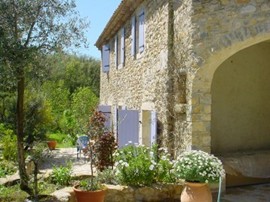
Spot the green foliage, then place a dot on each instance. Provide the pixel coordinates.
(134, 166)
(58, 98)
(63, 140)
(164, 167)
(9, 144)
(138, 165)
(91, 184)
(39, 152)
(107, 176)
(12, 193)
(75, 72)
(38, 116)
(7, 168)
(198, 166)
(29, 30)
(62, 175)
(83, 102)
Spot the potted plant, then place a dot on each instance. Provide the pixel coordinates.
(100, 149)
(52, 144)
(198, 168)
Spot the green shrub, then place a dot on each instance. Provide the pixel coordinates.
(9, 144)
(134, 166)
(138, 165)
(7, 168)
(62, 175)
(12, 193)
(107, 176)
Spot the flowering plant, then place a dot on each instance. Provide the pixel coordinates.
(198, 166)
(138, 165)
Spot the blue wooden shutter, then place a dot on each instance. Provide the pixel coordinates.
(128, 127)
(153, 138)
(106, 58)
(106, 110)
(116, 50)
(133, 36)
(141, 31)
(122, 45)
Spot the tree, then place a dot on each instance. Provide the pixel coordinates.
(30, 29)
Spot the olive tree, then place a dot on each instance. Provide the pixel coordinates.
(30, 29)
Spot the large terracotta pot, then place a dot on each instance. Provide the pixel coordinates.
(196, 192)
(51, 144)
(87, 196)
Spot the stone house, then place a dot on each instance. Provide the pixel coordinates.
(190, 74)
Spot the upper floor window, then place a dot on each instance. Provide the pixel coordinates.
(119, 44)
(106, 58)
(138, 33)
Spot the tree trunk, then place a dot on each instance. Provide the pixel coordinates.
(20, 124)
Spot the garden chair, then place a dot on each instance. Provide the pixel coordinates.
(82, 145)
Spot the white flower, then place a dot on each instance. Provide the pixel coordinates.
(151, 167)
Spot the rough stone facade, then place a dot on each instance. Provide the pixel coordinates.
(185, 43)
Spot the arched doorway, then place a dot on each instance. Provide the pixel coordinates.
(240, 118)
(230, 111)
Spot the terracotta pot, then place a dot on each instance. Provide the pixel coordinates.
(194, 192)
(86, 196)
(51, 144)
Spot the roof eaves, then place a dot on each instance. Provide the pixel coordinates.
(119, 17)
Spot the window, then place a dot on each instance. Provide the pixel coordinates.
(119, 46)
(141, 31)
(138, 33)
(106, 58)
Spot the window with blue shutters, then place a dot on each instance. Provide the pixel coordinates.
(106, 58)
(141, 30)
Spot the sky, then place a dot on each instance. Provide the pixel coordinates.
(98, 13)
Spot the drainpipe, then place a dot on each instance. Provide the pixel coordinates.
(171, 82)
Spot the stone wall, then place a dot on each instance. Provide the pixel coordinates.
(205, 34)
(155, 193)
(141, 82)
(221, 29)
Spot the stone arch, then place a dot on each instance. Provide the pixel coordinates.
(201, 90)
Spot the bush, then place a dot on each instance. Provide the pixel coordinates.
(62, 175)
(104, 149)
(107, 176)
(198, 166)
(9, 145)
(12, 193)
(138, 165)
(7, 168)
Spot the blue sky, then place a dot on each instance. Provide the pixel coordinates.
(99, 13)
